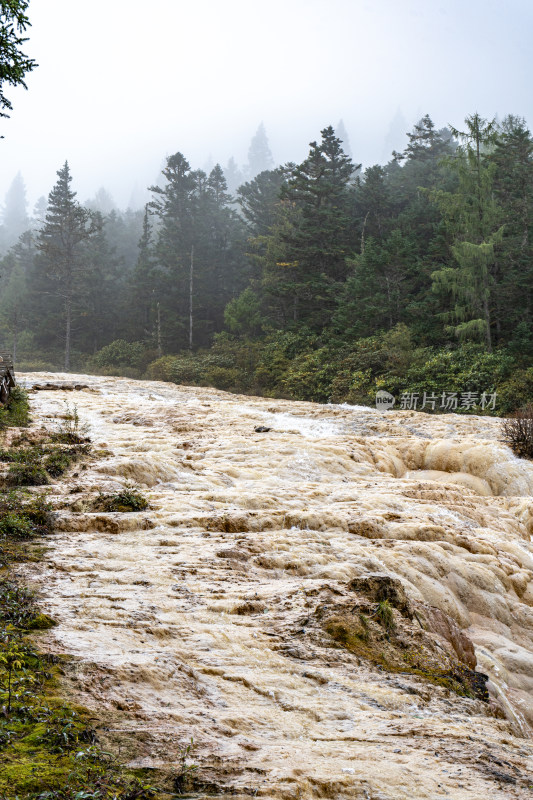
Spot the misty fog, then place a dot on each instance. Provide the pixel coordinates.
(120, 87)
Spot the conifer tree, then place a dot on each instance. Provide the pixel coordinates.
(474, 219)
(315, 233)
(61, 241)
(14, 64)
(259, 155)
(342, 134)
(15, 216)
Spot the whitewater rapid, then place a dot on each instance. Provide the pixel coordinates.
(191, 618)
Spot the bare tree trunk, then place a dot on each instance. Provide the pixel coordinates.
(159, 346)
(68, 304)
(363, 233)
(191, 276)
(15, 337)
(486, 312)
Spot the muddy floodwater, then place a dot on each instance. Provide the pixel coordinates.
(218, 612)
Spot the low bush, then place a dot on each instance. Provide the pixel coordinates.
(30, 474)
(16, 413)
(17, 605)
(127, 500)
(517, 432)
(56, 463)
(70, 429)
(16, 525)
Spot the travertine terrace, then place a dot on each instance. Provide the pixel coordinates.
(200, 617)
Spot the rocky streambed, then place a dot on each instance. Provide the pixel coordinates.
(331, 601)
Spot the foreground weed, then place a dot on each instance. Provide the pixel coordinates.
(17, 411)
(183, 778)
(129, 499)
(71, 430)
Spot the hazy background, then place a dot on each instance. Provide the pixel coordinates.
(122, 84)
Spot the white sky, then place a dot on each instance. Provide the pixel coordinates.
(122, 83)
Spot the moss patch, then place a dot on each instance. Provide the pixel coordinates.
(48, 747)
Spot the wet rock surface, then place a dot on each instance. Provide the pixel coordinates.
(320, 608)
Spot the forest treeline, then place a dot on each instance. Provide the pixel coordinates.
(317, 281)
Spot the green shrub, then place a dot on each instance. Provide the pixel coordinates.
(127, 500)
(16, 413)
(121, 354)
(15, 525)
(34, 507)
(71, 430)
(17, 605)
(161, 369)
(30, 474)
(56, 463)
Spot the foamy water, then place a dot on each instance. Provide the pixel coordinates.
(276, 524)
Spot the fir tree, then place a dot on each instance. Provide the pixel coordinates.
(474, 221)
(259, 155)
(14, 64)
(314, 234)
(61, 241)
(342, 134)
(15, 216)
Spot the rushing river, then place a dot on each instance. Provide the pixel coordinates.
(194, 618)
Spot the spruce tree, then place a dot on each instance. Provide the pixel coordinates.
(342, 134)
(314, 234)
(259, 155)
(513, 186)
(15, 216)
(63, 258)
(473, 217)
(14, 64)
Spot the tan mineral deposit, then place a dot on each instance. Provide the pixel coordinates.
(338, 604)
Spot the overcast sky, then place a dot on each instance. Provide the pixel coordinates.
(123, 83)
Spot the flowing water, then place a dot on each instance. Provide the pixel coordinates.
(197, 618)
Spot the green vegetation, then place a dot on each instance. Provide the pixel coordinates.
(71, 430)
(14, 64)
(48, 747)
(375, 637)
(385, 615)
(16, 412)
(319, 281)
(184, 777)
(128, 499)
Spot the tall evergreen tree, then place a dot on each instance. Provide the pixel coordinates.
(14, 64)
(315, 233)
(474, 220)
(342, 134)
(259, 155)
(67, 228)
(15, 215)
(513, 186)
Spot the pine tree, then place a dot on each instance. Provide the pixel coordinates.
(513, 186)
(61, 242)
(14, 64)
(14, 296)
(233, 175)
(142, 288)
(199, 261)
(15, 216)
(342, 134)
(314, 233)
(259, 197)
(474, 221)
(259, 155)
